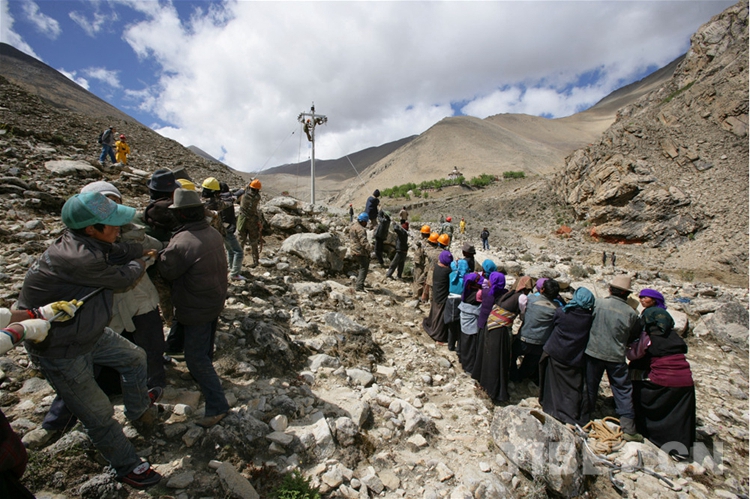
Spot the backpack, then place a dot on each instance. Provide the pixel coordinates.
(99, 139)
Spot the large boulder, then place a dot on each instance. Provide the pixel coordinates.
(542, 446)
(67, 167)
(323, 250)
(729, 324)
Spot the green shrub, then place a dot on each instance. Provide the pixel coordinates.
(296, 486)
(578, 272)
(511, 174)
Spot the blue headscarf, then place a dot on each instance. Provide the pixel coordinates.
(582, 298)
(489, 267)
(460, 268)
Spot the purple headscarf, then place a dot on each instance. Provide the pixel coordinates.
(477, 283)
(657, 297)
(445, 258)
(540, 283)
(497, 283)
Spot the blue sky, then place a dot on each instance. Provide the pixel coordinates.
(231, 77)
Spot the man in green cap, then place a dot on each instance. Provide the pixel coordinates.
(86, 261)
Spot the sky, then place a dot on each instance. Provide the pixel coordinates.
(232, 77)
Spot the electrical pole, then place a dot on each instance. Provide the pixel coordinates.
(309, 122)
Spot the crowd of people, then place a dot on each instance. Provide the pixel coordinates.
(114, 279)
(562, 347)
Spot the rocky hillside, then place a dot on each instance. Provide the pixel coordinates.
(673, 168)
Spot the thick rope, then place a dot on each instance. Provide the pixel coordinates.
(603, 439)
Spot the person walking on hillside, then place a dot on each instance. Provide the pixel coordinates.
(462, 226)
(403, 216)
(604, 258)
(447, 227)
(122, 150)
(87, 261)
(250, 221)
(371, 207)
(108, 144)
(485, 236)
(195, 263)
(614, 259)
(361, 249)
(351, 213)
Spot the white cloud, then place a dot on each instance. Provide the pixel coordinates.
(43, 23)
(74, 77)
(235, 76)
(91, 26)
(8, 35)
(106, 76)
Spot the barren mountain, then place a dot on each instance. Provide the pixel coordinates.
(505, 142)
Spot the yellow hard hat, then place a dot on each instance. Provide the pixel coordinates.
(186, 184)
(433, 238)
(425, 229)
(444, 239)
(211, 184)
(255, 184)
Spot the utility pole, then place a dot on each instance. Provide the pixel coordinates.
(309, 122)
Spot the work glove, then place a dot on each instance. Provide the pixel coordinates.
(35, 329)
(67, 308)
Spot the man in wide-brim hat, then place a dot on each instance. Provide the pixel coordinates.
(195, 263)
(615, 325)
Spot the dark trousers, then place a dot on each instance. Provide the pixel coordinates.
(379, 243)
(619, 382)
(199, 354)
(397, 264)
(149, 335)
(364, 266)
(529, 367)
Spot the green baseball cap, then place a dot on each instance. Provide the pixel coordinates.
(92, 208)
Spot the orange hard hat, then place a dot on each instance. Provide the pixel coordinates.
(425, 229)
(433, 237)
(255, 184)
(122, 137)
(444, 239)
(448, 219)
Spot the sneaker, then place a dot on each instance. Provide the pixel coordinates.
(142, 477)
(632, 437)
(238, 277)
(155, 394)
(209, 421)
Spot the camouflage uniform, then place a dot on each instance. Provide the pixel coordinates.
(361, 249)
(250, 222)
(431, 253)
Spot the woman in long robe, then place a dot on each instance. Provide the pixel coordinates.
(434, 324)
(469, 309)
(486, 364)
(493, 364)
(562, 372)
(663, 389)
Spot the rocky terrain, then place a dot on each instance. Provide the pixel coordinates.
(675, 164)
(346, 387)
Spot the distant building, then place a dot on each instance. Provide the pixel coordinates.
(455, 174)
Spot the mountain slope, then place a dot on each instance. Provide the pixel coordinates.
(504, 142)
(674, 167)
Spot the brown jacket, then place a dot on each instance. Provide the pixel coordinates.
(358, 238)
